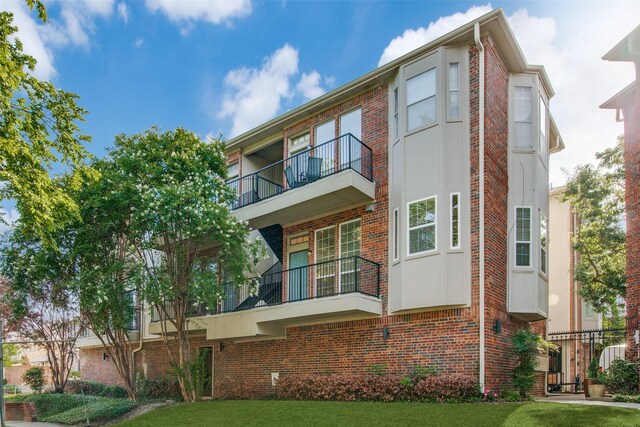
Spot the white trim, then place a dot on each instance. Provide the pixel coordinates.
(315, 255)
(395, 232)
(435, 226)
(451, 245)
(515, 237)
(450, 90)
(339, 269)
(531, 146)
(546, 246)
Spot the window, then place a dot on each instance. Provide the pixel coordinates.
(454, 110)
(325, 261)
(589, 312)
(396, 235)
(544, 241)
(522, 117)
(299, 143)
(233, 170)
(455, 220)
(523, 237)
(395, 114)
(350, 156)
(422, 225)
(350, 240)
(324, 149)
(421, 100)
(542, 118)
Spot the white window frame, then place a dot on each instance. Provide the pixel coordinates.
(454, 87)
(515, 235)
(396, 122)
(515, 122)
(543, 138)
(434, 224)
(237, 174)
(297, 147)
(315, 256)
(451, 221)
(396, 235)
(340, 249)
(544, 248)
(434, 96)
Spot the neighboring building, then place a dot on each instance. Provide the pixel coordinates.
(568, 313)
(390, 249)
(627, 102)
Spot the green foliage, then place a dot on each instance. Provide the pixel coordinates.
(623, 377)
(596, 195)
(418, 373)
(510, 396)
(75, 408)
(39, 130)
(34, 377)
(147, 389)
(92, 388)
(527, 345)
(379, 370)
(594, 372)
(634, 398)
(9, 353)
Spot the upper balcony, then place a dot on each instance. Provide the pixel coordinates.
(335, 174)
(87, 338)
(346, 288)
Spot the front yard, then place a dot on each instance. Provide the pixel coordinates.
(290, 413)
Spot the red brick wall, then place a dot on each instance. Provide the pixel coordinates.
(632, 207)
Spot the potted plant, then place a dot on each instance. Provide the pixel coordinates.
(596, 380)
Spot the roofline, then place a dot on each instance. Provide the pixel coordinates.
(619, 100)
(382, 73)
(620, 52)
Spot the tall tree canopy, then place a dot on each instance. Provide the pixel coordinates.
(38, 131)
(596, 195)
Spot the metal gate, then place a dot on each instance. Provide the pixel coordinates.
(569, 363)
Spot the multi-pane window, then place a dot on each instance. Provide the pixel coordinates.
(523, 236)
(522, 116)
(324, 149)
(299, 143)
(421, 100)
(395, 114)
(350, 156)
(396, 234)
(325, 261)
(542, 119)
(422, 225)
(455, 220)
(454, 91)
(544, 241)
(233, 170)
(350, 242)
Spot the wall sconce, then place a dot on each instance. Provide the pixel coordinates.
(370, 207)
(497, 326)
(385, 333)
(221, 345)
(105, 355)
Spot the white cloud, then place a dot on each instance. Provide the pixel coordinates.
(138, 43)
(309, 85)
(412, 39)
(254, 95)
(212, 11)
(123, 11)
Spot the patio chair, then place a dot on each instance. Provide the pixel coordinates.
(314, 169)
(292, 182)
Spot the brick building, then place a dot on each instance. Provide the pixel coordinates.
(627, 106)
(406, 217)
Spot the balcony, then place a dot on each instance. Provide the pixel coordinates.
(345, 288)
(87, 338)
(335, 174)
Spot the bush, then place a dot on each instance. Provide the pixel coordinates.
(527, 345)
(34, 377)
(510, 396)
(147, 389)
(622, 377)
(626, 398)
(386, 388)
(91, 388)
(53, 403)
(100, 409)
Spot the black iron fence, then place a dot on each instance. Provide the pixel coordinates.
(313, 164)
(336, 277)
(569, 363)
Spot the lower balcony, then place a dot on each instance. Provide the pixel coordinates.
(342, 289)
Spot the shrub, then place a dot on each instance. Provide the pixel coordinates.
(527, 345)
(157, 389)
(237, 392)
(510, 396)
(53, 403)
(622, 377)
(386, 388)
(91, 388)
(34, 377)
(99, 409)
(626, 398)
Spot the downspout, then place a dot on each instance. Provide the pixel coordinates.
(480, 47)
(140, 341)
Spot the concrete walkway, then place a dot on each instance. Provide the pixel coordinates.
(31, 424)
(579, 399)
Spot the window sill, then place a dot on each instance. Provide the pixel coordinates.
(523, 270)
(524, 150)
(420, 129)
(422, 255)
(455, 251)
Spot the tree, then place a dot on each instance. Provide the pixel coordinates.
(9, 354)
(110, 275)
(182, 230)
(34, 377)
(40, 296)
(38, 130)
(596, 195)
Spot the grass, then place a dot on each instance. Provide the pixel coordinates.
(369, 414)
(75, 408)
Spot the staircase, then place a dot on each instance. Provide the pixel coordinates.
(273, 236)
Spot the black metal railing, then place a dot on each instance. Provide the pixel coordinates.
(336, 277)
(320, 161)
(575, 349)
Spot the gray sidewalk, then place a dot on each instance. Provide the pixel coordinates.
(31, 424)
(579, 399)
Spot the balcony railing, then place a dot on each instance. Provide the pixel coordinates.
(343, 153)
(336, 277)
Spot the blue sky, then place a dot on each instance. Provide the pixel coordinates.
(221, 67)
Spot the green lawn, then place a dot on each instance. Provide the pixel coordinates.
(287, 413)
